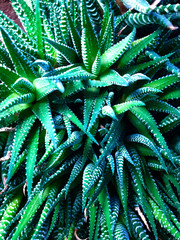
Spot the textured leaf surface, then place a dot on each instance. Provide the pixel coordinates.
(66, 51)
(105, 203)
(22, 65)
(20, 135)
(149, 122)
(89, 43)
(135, 49)
(123, 107)
(9, 214)
(44, 87)
(30, 211)
(43, 113)
(31, 159)
(111, 77)
(76, 121)
(8, 76)
(110, 56)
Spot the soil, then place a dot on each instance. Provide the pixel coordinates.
(5, 6)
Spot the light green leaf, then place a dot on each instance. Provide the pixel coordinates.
(110, 56)
(22, 64)
(65, 110)
(89, 43)
(111, 77)
(43, 112)
(44, 86)
(8, 77)
(105, 203)
(123, 107)
(136, 48)
(30, 211)
(67, 52)
(39, 29)
(20, 135)
(31, 158)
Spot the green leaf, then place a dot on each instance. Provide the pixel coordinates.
(21, 39)
(111, 77)
(168, 123)
(111, 55)
(138, 226)
(24, 11)
(85, 182)
(147, 142)
(73, 87)
(23, 86)
(20, 135)
(8, 77)
(139, 5)
(30, 211)
(65, 110)
(104, 200)
(31, 158)
(97, 227)
(75, 73)
(123, 107)
(92, 213)
(137, 184)
(96, 175)
(89, 43)
(75, 139)
(165, 223)
(103, 228)
(89, 142)
(106, 38)
(9, 214)
(99, 101)
(46, 210)
(141, 19)
(139, 67)
(63, 23)
(77, 168)
(12, 111)
(121, 232)
(149, 214)
(39, 29)
(115, 207)
(43, 112)
(50, 149)
(141, 93)
(136, 48)
(54, 220)
(45, 86)
(163, 82)
(174, 94)
(143, 114)
(88, 104)
(20, 159)
(120, 178)
(67, 52)
(158, 105)
(108, 111)
(14, 99)
(96, 67)
(74, 33)
(22, 64)
(102, 182)
(5, 59)
(154, 192)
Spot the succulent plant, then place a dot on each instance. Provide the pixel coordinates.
(89, 120)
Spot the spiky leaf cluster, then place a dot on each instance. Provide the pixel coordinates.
(89, 120)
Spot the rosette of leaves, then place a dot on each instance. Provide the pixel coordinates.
(89, 117)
